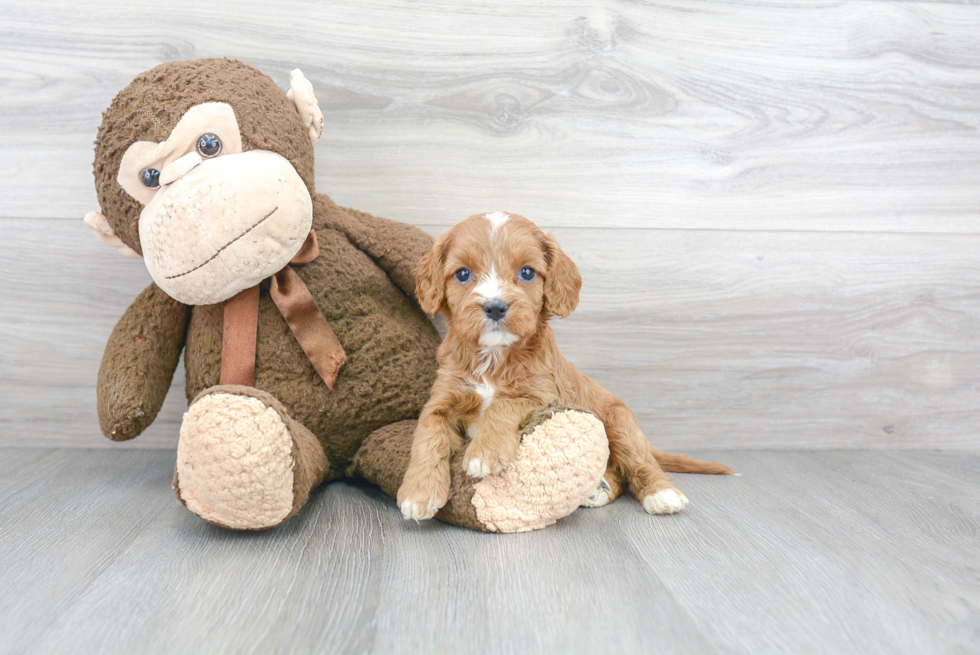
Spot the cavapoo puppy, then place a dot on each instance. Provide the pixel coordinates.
(497, 278)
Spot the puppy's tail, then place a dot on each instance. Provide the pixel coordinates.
(683, 464)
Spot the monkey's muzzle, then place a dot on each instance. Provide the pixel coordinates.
(225, 225)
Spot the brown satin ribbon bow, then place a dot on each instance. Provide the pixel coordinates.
(307, 323)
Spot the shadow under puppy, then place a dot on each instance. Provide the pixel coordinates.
(498, 279)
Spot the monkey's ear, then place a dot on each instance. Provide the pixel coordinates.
(97, 221)
(430, 286)
(301, 93)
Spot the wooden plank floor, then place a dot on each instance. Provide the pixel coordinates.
(806, 552)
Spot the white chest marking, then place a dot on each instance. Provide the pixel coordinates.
(489, 357)
(485, 390)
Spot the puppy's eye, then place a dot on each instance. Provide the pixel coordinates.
(150, 177)
(463, 275)
(208, 145)
(527, 273)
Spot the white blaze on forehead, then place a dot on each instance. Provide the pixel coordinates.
(497, 219)
(490, 286)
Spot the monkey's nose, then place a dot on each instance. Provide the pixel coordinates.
(179, 168)
(495, 309)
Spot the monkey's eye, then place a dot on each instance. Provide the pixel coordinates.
(463, 275)
(150, 177)
(208, 145)
(527, 273)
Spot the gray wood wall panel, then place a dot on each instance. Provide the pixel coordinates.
(855, 115)
(775, 205)
(749, 339)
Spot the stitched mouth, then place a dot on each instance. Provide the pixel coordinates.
(211, 258)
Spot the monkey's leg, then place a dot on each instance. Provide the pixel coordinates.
(243, 462)
(562, 456)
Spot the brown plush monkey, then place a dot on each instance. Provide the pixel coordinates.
(300, 332)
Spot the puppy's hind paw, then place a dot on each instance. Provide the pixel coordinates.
(599, 497)
(418, 511)
(665, 501)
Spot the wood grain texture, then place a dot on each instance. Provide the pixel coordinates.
(715, 339)
(774, 205)
(824, 115)
(806, 552)
(63, 294)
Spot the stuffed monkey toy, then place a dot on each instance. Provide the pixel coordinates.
(306, 354)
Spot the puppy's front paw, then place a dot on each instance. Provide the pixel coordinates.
(479, 461)
(665, 501)
(422, 494)
(477, 468)
(418, 510)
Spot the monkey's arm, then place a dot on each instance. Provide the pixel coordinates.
(395, 247)
(139, 363)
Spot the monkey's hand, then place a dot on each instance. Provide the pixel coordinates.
(139, 363)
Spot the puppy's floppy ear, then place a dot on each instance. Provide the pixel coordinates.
(430, 287)
(562, 282)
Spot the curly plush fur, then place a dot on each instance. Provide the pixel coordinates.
(363, 282)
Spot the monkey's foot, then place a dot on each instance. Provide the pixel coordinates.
(242, 461)
(561, 459)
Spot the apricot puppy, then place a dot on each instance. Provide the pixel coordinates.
(498, 279)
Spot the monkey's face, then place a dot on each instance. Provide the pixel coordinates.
(215, 220)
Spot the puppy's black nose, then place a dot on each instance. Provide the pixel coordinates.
(495, 309)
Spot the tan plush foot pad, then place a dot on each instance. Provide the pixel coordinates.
(557, 466)
(234, 462)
